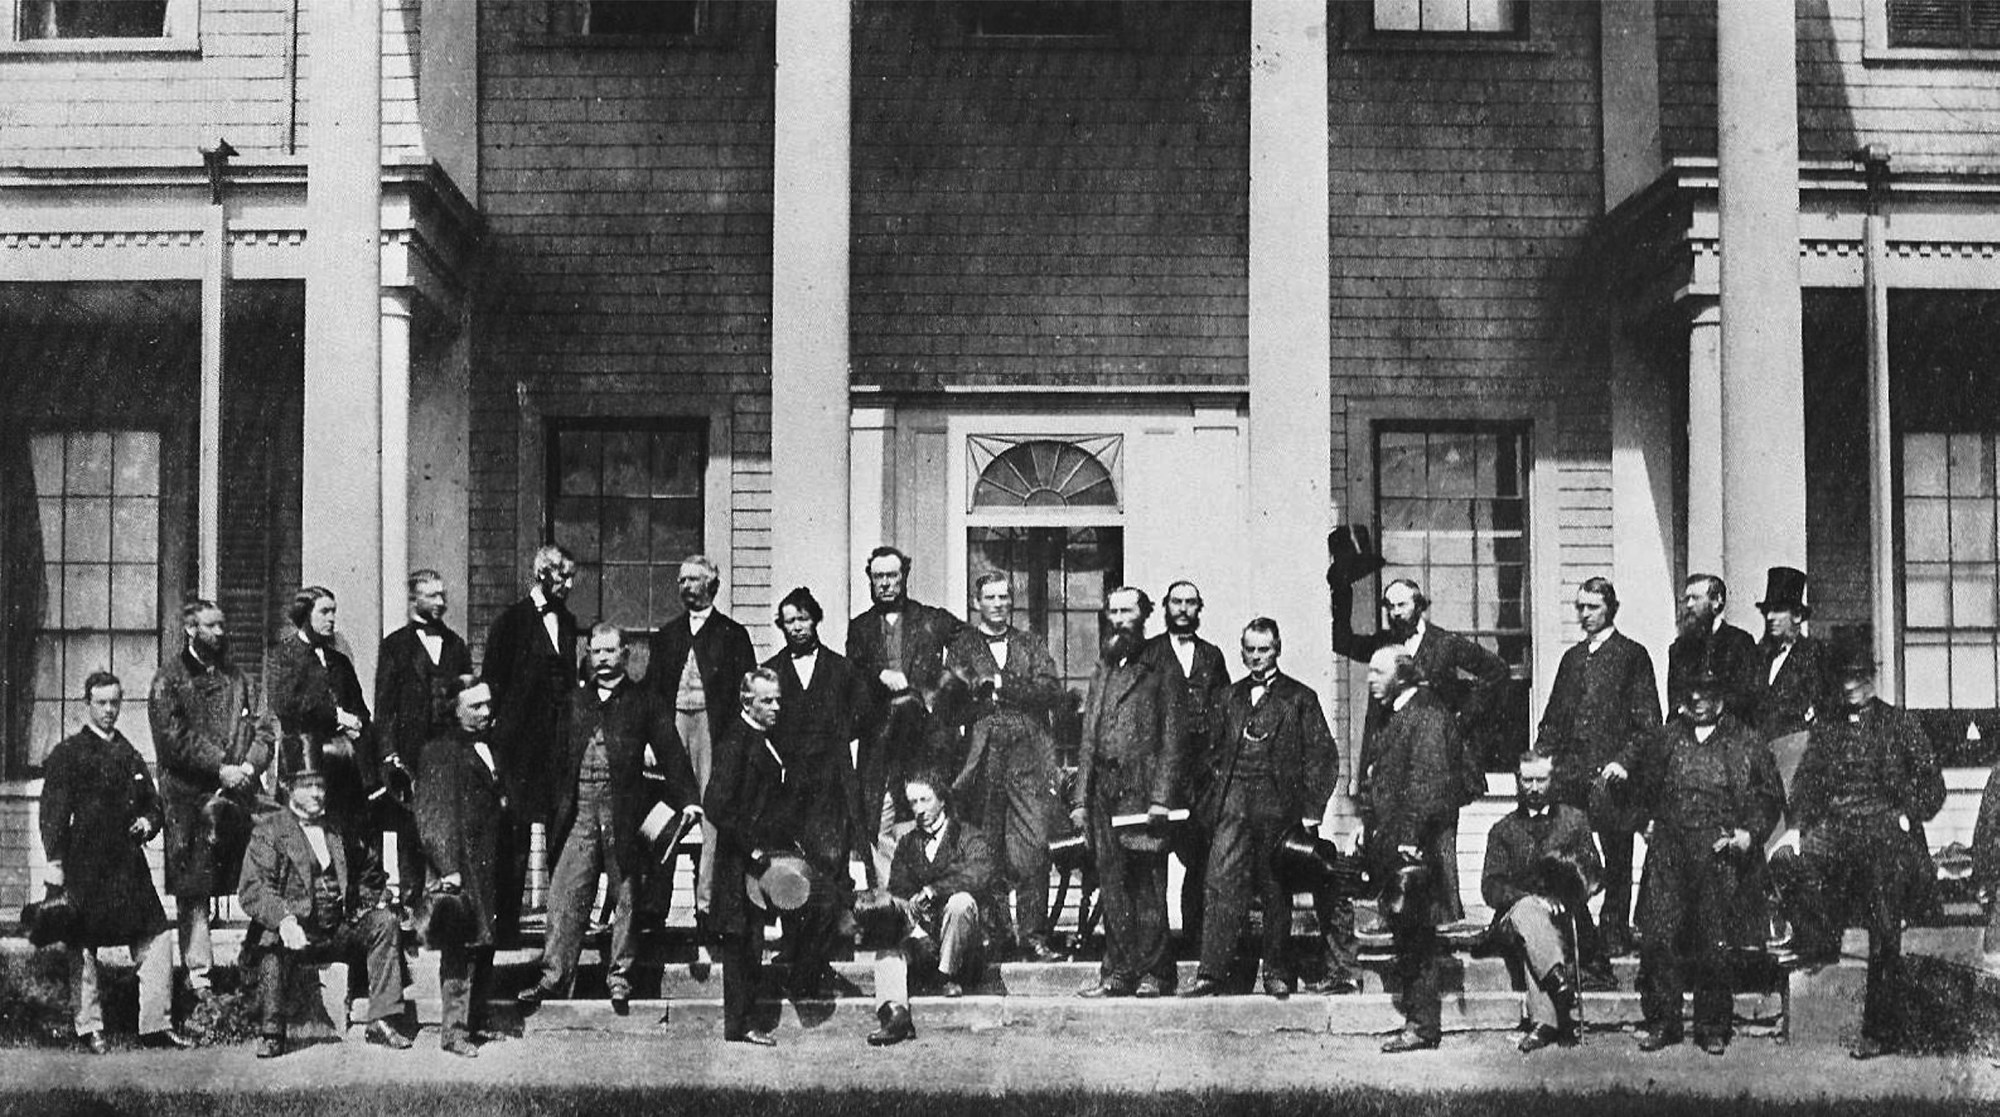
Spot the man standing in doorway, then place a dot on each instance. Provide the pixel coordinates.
(414, 670)
(1197, 673)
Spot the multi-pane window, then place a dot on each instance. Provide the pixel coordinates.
(1951, 567)
(1451, 17)
(97, 513)
(625, 18)
(1453, 505)
(1044, 19)
(626, 498)
(1948, 24)
(91, 19)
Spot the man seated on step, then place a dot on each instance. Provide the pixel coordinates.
(939, 879)
(1541, 867)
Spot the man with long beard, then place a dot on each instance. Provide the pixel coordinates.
(1130, 762)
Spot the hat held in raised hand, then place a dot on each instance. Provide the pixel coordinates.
(1350, 553)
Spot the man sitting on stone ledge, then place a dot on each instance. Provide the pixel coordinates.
(308, 905)
(1531, 913)
(940, 876)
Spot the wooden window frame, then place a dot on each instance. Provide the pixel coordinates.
(183, 35)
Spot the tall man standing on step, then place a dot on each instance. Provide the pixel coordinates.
(1706, 643)
(898, 645)
(1196, 670)
(699, 660)
(1130, 764)
(531, 671)
(1603, 704)
(414, 670)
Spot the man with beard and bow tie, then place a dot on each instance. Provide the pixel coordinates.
(1531, 912)
(824, 710)
(1129, 765)
(531, 669)
(1198, 675)
(213, 745)
(314, 692)
(898, 646)
(1270, 763)
(1708, 644)
(699, 659)
(413, 672)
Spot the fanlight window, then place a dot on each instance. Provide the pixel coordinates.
(1043, 473)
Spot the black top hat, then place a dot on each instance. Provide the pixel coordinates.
(1406, 893)
(444, 918)
(1562, 876)
(1070, 854)
(1350, 551)
(51, 920)
(878, 921)
(1304, 862)
(299, 757)
(1856, 663)
(1785, 588)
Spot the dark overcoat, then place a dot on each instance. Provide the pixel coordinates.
(204, 717)
(1409, 790)
(964, 863)
(532, 682)
(815, 725)
(629, 721)
(1601, 705)
(278, 870)
(885, 757)
(1898, 769)
(1008, 740)
(1694, 792)
(1464, 674)
(92, 790)
(1199, 691)
(1732, 655)
(1517, 845)
(722, 656)
(753, 805)
(1803, 690)
(1305, 761)
(413, 700)
(1130, 755)
(465, 818)
(306, 696)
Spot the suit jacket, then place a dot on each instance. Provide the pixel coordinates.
(1009, 742)
(1464, 675)
(411, 706)
(632, 719)
(815, 725)
(1728, 651)
(92, 791)
(964, 863)
(722, 654)
(306, 696)
(1804, 688)
(1599, 706)
(532, 682)
(1199, 692)
(463, 816)
(1517, 844)
(1692, 791)
(1409, 788)
(278, 870)
(1305, 761)
(1130, 753)
(926, 632)
(203, 717)
(752, 801)
(1899, 766)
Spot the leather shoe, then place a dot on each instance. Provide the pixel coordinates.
(1538, 1037)
(896, 1026)
(1659, 1041)
(754, 1038)
(1203, 986)
(1037, 950)
(621, 1004)
(459, 1046)
(533, 996)
(951, 989)
(1277, 987)
(1408, 1041)
(270, 1047)
(1107, 988)
(1714, 1045)
(1332, 986)
(166, 1039)
(94, 1043)
(1869, 1048)
(383, 1034)
(1149, 987)
(1600, 981)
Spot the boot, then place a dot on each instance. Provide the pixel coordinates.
(896, 1026)
(1563, 991)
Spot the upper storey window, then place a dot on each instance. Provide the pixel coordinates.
(1944, 24)
(628, 19)
(1044, 19)
(1451, 17)
(70, 26)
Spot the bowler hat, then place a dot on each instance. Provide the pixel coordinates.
(51, 920)
(444, 918)
(784, 884)
(1350, 552)
(1785, 588)
(1302, 861)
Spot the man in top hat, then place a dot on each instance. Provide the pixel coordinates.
(314, 896)
(940, 881)
(1271, 762)
(1863, 791)
(531, 673)
(466, 820)
(752, 802)
(898, 646)
(98, 811)
(622, 757)
(699, 659)
(1533, 913)
(1198, 675)
(826, 709)
(1799, 683)
(213, 745)
(414, 670)
(1406, 794)
(1603, 702)
(1010, 684)
(1711, 796)
(1707, 644)
(1129, 764)
(314, 692)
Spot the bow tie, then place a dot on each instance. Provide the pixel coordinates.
(804, 653)
(548, 607)
(431, 628)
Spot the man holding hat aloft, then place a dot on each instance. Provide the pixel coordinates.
(313, 896)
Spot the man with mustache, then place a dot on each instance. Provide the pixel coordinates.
(413, 671)
(1198, 675)
(1129, 764)
(1708, 644)
(1531, 913)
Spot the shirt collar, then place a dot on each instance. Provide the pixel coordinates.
(699, 616)
(101, 734)
(1403, 699)
(540, 598)
(1600, 639)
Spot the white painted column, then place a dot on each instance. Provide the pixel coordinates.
(1707, 490)
(809, 305)
(1886, 615)
(440, 482)
(208, 471)
(871, 466)
(1291, 440)
(396, 303)
(342, 492)
(1763, 379)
